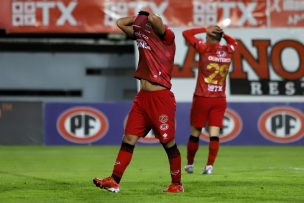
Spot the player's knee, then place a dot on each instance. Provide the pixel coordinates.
(168, 144)
(130, 139)
(196, 131)
(214, 131)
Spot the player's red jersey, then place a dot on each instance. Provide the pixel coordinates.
(214, 62)
(156, 54)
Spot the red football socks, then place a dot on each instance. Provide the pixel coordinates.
(122, 161)
(175, 163)
(192, 148)
(214, 145)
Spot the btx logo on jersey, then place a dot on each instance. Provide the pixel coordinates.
(282, 124)
(82, 125)
(232, 126)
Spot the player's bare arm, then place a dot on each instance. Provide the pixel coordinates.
(189, 35)
(157, 24)
(125, 24)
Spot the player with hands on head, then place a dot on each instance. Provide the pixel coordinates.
(209, 100)
(154, 105)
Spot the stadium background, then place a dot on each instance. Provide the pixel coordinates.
(66, 71)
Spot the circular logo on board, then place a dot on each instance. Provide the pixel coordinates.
(82, 125)
(282, 124)
(232, 126)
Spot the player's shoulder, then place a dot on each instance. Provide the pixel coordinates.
(228, 48)
(169, 30)
(201, 46)
(169, 37)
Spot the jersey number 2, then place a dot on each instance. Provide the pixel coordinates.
(221, 70)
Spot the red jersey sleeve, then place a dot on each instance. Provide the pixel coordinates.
(231, 43)
(168, 36)
(198, 44)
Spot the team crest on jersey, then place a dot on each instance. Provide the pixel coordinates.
(163, 118)
(221, 53)
(164, 127)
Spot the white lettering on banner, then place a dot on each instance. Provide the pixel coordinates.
(115, 10)
(204, 13)
(290, 88)
(273, 88)
(66, 13)
(256, 88)
(289, 6)
(247, 13)
(275, 6)
(295, 19)
(24, 13)
(207, 13)
(293, 5)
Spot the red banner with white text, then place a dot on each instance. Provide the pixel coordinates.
(99, 16)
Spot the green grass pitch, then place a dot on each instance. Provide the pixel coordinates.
(64, 174)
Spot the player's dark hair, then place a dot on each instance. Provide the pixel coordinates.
(217, 37)
(145, 13)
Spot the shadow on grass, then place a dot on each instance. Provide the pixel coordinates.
(22, 182)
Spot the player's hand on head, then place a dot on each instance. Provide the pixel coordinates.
(212, 30)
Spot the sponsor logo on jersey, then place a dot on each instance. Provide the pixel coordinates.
(163, 118)
(232, 126)
(221, 53)
(164, 127)
(165, 136)
(215, 88)
(219, 59)
(282, 124)
(142, 44)
(82, 125)
(141, 35)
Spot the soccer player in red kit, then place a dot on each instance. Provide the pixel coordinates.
(154, 106)
(209, 100)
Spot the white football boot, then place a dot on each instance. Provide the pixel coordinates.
(189, 168)
(208, 170)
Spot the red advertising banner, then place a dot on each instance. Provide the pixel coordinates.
(287, 13)
(99, 16)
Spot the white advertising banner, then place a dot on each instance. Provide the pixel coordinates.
(268, 66)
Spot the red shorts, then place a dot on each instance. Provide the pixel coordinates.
(153, 110)
(206, 110)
